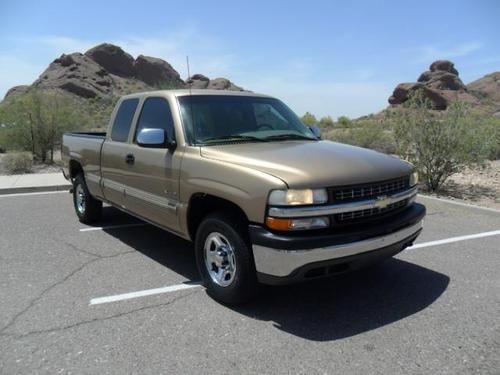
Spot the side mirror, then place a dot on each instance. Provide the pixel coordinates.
(155, 138)
(315, 130)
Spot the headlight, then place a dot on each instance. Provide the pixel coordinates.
(297, 197)
(413, 178)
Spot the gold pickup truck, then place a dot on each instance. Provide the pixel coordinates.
(262, 197)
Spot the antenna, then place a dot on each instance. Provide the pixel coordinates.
(189, 74)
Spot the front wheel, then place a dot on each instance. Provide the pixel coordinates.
(224, 259)
(87, 208)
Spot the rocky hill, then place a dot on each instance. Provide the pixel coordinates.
(106, 71)
(442, 86)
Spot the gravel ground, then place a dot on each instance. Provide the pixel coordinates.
(478, 186)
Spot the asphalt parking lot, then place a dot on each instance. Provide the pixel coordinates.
(78, 299)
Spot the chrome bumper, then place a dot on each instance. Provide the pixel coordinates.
(282, 263)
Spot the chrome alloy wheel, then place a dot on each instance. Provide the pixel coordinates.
(80, 199)
(220, 260)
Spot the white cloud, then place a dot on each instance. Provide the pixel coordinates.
(431, 52)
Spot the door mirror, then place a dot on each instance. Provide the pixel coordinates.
(155, 138)
(315, 130)
(151, 138)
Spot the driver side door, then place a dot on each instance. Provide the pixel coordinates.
(153, 187)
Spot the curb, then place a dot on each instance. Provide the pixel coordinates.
(34, 189)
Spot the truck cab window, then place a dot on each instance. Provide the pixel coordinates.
(156, 114)
(123, 120)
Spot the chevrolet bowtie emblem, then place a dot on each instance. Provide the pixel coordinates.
(382, 201)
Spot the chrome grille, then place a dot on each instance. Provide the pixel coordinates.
(369, 190)
(370, 212)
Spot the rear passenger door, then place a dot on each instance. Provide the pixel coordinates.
(115, 163)
(153, 182)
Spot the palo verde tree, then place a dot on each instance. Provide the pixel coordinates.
(36, 120)
(309, 119)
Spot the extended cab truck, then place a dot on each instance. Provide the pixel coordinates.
(262, 198)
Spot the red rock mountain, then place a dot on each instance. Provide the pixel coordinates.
(442, 86)
(107, 71)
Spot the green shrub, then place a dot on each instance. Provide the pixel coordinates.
(494, 124)
(18, 162)
(367, 134)
(326, 122)
(309, 119)
(441, 144)
(344, 122)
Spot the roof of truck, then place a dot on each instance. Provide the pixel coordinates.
(187, 92)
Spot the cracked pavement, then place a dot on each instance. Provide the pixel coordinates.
(429, 310)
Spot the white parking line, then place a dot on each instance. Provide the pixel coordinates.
(33, 193)
(143, 293)
(468, 205)
(177, 287)
(113, 227)
(454, 239)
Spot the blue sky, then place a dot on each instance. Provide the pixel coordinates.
(327, 57)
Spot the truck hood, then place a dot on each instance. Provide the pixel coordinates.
(302, 164)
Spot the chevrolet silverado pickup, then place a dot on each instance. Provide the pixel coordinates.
(261, 196)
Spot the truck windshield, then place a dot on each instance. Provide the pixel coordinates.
(213, 119)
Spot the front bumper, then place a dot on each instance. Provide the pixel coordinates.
(285, 258)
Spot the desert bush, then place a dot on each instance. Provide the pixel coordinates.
(326, 122)
(344, 122)
(17, 162)
(366, 134)
(309, 119)
(494, 123)
(440, 144)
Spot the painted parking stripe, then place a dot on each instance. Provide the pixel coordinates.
(178, 287)
(143, 293)
(459, 203)
(113, 227)
(33, 193)
(454, 239)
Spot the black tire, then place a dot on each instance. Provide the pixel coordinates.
(243, 286)
(91, 210)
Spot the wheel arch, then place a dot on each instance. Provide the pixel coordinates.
(202, 204)
(75, 168)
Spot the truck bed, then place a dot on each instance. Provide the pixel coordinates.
(84, 148)
(86, 134)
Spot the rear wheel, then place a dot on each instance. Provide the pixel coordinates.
(87, 208)
(224, 259)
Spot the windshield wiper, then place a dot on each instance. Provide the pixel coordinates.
(236, 137)
(289, 136)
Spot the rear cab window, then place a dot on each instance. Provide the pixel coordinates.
(123, 120)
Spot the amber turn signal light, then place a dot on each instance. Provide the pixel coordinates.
(278, 224)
